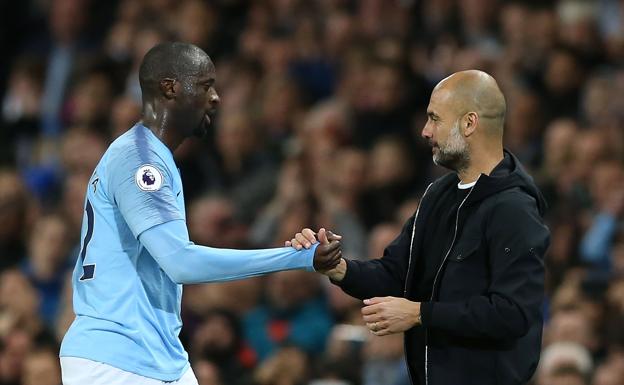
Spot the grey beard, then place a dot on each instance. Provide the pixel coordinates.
(454, 154)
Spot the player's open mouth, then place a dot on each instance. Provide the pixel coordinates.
(207, 119)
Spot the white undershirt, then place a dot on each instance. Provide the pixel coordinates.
(465, 186)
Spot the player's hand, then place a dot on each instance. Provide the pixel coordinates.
(306, 238)
(389, 315)
(328, 254)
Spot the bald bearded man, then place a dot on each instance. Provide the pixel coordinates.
(465, 278)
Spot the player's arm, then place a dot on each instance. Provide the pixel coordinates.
(145, 197)
(185, 262)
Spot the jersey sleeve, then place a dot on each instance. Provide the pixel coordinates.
(141, 187)
(186, 263)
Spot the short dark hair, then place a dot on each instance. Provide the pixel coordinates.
(174, 60)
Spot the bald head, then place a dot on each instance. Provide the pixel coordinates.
(466, 114)
(475, 91)
(178, 61)
(178, 89)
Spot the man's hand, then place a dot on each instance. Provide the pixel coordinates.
(328, 254)
(306, 238)
(388, 315)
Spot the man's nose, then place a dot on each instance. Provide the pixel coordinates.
(214, 98)
(426, 132)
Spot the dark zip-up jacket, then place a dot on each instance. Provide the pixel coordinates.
(483, 323)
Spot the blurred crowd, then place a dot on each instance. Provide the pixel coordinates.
(322, 104)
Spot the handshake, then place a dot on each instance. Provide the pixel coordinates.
(328, 255)
(382, 315)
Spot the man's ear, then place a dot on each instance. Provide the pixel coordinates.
(167, 87)
(469, 123)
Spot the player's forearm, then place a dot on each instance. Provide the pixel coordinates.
(185, 262)
(198, 264)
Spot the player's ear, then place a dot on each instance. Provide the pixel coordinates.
(167, 87)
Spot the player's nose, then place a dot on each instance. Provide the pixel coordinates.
(214, 98)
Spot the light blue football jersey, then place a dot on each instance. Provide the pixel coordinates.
(127, 308)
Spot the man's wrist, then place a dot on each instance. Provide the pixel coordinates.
(417, 314)
(338, 273)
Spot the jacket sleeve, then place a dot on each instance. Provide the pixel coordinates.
(517, 240)
(380, 277)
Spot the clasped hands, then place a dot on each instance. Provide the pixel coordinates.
(383, 315)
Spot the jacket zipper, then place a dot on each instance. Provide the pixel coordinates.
(436, 278)
(409, 261)
(409, 265)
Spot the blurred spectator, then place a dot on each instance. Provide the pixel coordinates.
(558, 147)
(572, 326)
(197, 25)
(206, 372)
(383, 361)
(13, 216)
(390, 180)
(143, 39)
(41, 367)
(381, 236)
(562, 80)
(609, 373)
(72, 204)
(47, 262)
(65, 315)
(212, 223)
(21, 108)
(245, 168)
(294, 313)
(20, 304)
(288, 366)
(607, 191)
(344, 354)
(218, 340)
(564, 361)
(567, 376)
(524, 122)
(67, 19)
(16, 346)
(81, 150)
(271, 226)
(126, 112)
(90, 100)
